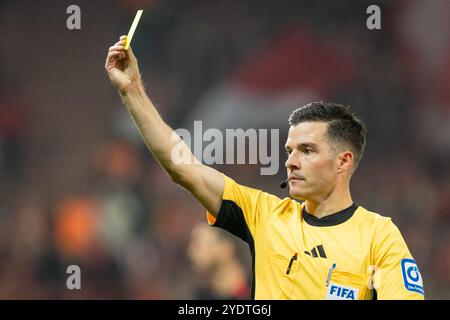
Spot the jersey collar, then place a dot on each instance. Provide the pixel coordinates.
(330, 220)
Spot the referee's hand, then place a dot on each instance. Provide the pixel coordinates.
(121, 67)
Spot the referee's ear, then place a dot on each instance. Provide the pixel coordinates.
(345, 162)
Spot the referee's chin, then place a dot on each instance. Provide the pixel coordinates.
(296, 195)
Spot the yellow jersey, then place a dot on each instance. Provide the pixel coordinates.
(349, 255)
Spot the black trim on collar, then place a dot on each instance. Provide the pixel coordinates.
(330, 220)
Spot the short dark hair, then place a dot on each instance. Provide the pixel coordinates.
(343, 125)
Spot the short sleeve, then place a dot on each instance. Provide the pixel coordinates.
(397, 276)
(243, 209)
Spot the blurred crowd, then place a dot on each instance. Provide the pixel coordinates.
(136, 235)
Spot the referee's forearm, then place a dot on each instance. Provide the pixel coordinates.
(158, 136)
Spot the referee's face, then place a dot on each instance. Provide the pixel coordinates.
(311, 163)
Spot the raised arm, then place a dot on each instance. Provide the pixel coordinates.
(205, 183)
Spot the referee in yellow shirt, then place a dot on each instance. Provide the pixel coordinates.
(325, 247)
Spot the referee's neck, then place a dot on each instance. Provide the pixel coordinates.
(335, 202)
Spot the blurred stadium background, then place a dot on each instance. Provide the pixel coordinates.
(77, 185)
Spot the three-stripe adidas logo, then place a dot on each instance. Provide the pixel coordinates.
(316, 252)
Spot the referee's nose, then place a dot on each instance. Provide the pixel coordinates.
(292, 162)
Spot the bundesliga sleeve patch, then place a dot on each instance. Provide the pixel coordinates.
(411, 276)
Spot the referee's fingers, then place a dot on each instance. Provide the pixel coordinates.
(120, 43)
(131, 55)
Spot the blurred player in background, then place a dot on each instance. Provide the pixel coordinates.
(221, 272)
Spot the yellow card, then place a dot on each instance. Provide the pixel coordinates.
(133, 28)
